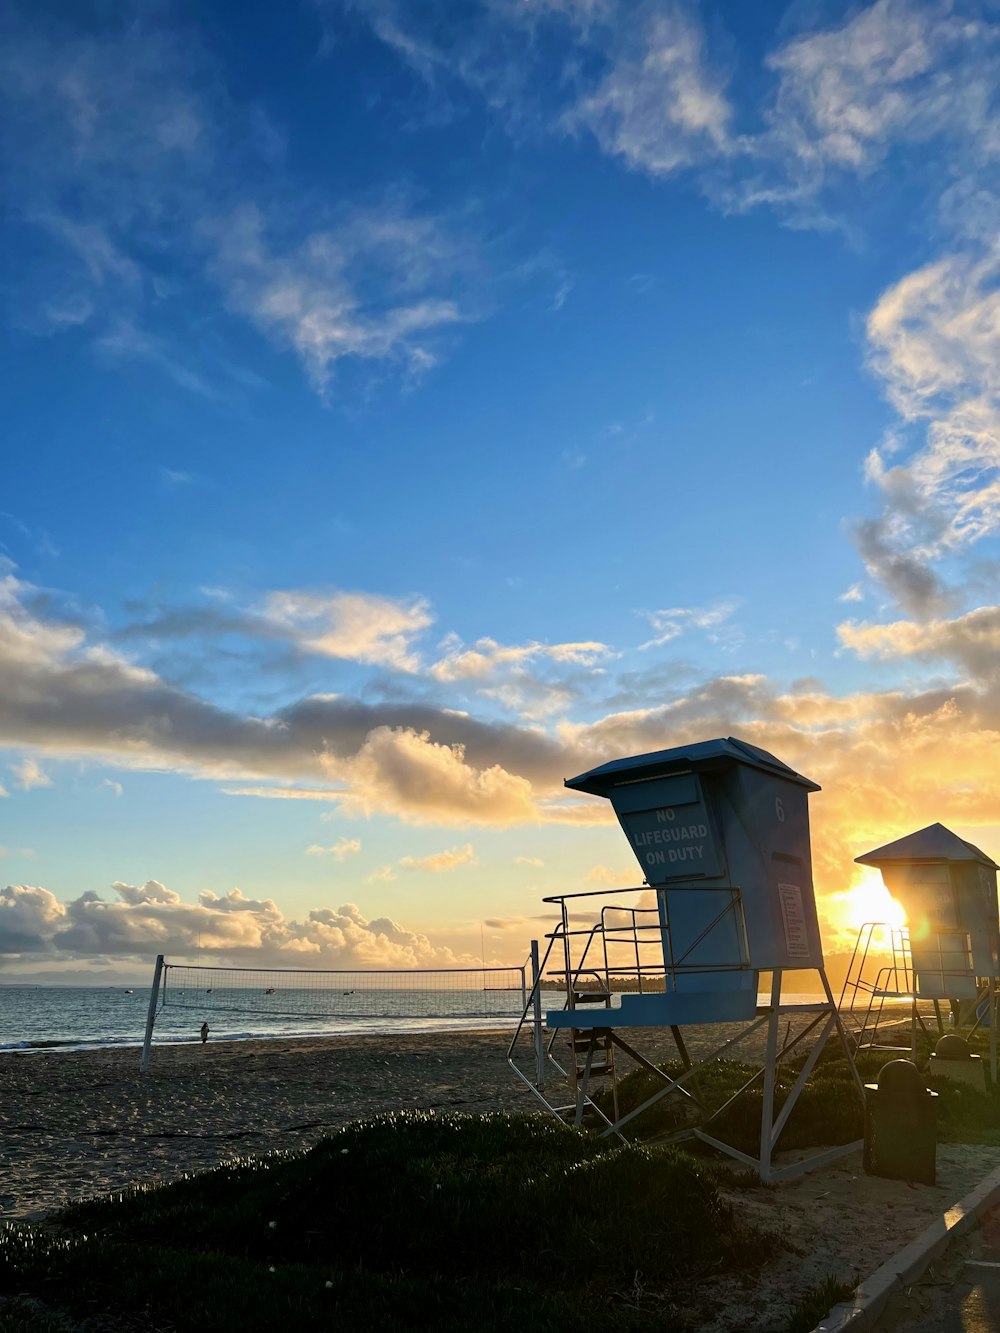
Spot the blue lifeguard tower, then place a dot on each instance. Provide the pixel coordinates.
(949, 949)
(720, 830)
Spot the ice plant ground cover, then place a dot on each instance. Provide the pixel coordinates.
(403, 1221)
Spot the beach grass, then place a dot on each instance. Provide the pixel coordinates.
(817, 1303)
(403, 1221)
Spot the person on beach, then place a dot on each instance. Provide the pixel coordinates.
(204, 1033)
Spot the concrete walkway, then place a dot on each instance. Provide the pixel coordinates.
(959, 1293)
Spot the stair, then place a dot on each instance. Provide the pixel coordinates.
(595, 1045)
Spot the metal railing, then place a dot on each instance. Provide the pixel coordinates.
(623, 937)
(883, 970)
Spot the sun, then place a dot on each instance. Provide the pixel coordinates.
(868, 899)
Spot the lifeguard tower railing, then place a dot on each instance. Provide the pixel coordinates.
(893, 985)
(624, 965)
(603, 962)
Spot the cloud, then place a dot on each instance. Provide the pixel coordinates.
(486, 657)
(607, 877)
(402, 772)
(889, 760)
(67, 696)
(28, 775)
(829, 108)
(437, 862)
(232, 928)
(358, 627)
(971, 640)
(341, 849)
(670, 625)
(380, 287)
(897, 70)
(384, 875)
(934, 340)
(534, 680)
(528, 861)
(115, 788)
(853, 594)
(172, 477)
(130, 158)
(661, 106)
(29, 917)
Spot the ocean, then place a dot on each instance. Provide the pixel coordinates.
(34, 1018)
(74, 1018)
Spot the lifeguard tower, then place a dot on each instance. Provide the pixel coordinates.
(950, 947)
(720, 830)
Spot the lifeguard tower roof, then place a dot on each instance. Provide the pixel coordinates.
(933, 843)
(700, 757)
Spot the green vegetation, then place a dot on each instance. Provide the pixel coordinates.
(828, 1111)
(448, 1222)
(405, 1221)
(24, 1316)
(817, 1303)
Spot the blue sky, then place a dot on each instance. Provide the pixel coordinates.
(407, 407)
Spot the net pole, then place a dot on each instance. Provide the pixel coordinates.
(536, 992)
(154, 991)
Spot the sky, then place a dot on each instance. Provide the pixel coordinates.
(408, 407)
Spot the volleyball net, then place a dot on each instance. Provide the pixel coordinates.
(284, 994)
(483, 992)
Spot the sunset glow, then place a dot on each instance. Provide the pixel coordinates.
(867, 900)
(406, 413)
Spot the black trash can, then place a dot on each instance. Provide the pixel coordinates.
(900, 1125)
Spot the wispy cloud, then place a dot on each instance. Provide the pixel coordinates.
(29, 775)
(671, 624)
(661, 106)
(612, 878)
(384, 875)
(934, 340)
(380, 287)
(438, 862)
(130, 157)
(340, 850)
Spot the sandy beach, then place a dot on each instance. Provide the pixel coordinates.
(82, 1124)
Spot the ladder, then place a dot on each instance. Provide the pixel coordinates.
(593, 1048)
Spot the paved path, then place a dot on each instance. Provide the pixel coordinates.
(958, 1294)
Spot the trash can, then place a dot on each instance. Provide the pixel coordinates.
(954, 1060)
(900, 1125)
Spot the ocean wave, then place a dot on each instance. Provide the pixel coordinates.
(354, 1028)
